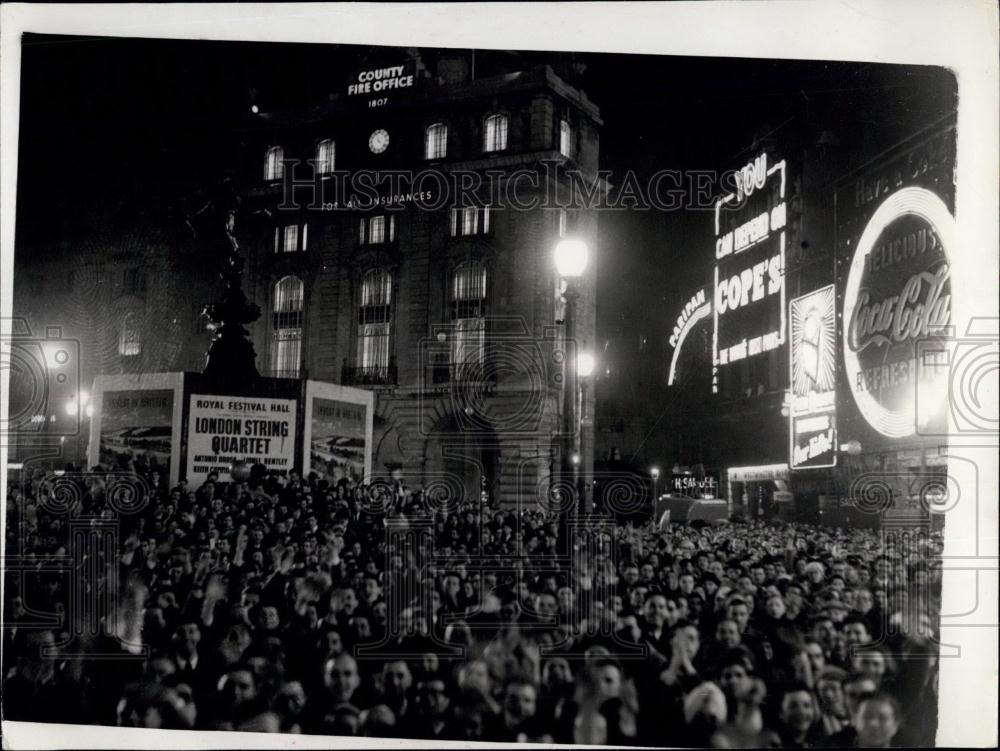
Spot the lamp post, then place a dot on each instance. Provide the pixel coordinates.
(571, 258)
(585, 364)
(655, 474)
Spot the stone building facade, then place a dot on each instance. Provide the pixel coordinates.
(438, 292)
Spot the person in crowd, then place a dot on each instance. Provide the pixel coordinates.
(829, 686)
(877, 722)
(798, 714)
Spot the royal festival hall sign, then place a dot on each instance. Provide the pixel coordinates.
(224, 430)
(897, 301)
(749, 291)
(812, 417)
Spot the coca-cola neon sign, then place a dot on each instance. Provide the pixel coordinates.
(918, 312)
(897, 294)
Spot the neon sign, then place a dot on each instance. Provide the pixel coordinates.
(692, 305)
(695, 310)
(898, 296)
(748, 300)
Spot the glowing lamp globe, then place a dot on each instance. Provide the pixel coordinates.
(585, 364)
(571, 258)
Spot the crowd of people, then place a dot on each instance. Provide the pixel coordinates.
(309, 605)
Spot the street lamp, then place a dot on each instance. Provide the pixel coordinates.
(585, 364)
(571, 256)
(655, 473)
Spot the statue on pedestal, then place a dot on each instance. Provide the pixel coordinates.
(231, 359)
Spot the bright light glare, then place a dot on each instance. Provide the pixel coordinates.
(55, 356)
(571, 257)
(585, 364)
(72, 407)
(655, 472)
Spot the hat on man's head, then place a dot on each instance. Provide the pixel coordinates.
(815, 566)
(832, 673)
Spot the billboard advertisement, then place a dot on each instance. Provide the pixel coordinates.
(137, 418)
(896, 237)
(136, 426)
(223, 430)
(812, 332)
(748, 302)
(338, 426)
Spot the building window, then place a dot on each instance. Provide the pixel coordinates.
(374, 316)
(287, 239)
(287, 327)
(565, 138)
(376, 230)
(274, 165)
(470, 221)
(326, 153)
(436, 141)
(495, 134)
(468, 313)
(129, 341)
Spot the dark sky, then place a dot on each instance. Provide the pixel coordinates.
(106, 119)
(119, 131)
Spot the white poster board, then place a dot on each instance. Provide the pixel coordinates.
(223, 430)
(337, 435)
(137, 416)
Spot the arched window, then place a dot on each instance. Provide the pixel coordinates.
(436, 141)
(326, 152)
(468, 313)
(495, 133)
(274, 166)
(129, 340)
(287, 327)
(374, 319)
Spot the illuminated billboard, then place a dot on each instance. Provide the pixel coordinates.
(748, 306)
(812, 333)
(898, 298)
(896, 236)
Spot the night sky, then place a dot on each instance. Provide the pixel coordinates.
(119, 132)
